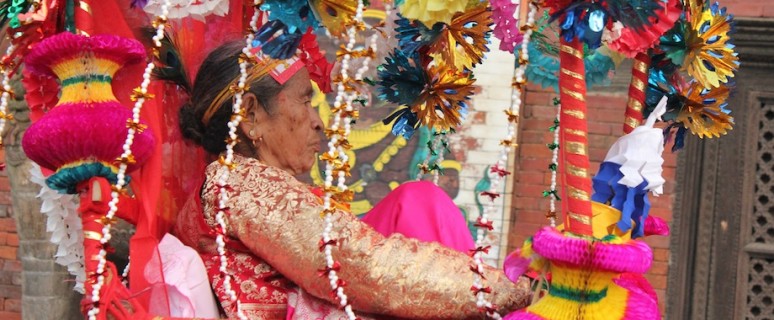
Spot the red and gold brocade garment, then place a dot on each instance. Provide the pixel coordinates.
(275, 227)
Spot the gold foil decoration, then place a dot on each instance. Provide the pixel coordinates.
(577, 193)
(576, 171)
(575, 148)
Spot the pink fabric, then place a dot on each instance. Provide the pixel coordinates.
(184, 282)
(419, 210)
(423, 211)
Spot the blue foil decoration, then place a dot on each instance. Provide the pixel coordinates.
(543, 68)
(632, 202)
(413, 35)
(66, 180)
(401, 78)
(295, 14)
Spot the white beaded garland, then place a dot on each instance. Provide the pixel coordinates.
(343, 99)
(555, 162)
(121, 175)
(501, 164)
(226, 164)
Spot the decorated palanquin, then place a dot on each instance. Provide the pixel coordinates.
(104, 81)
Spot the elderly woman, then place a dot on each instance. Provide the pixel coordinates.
(274, 220)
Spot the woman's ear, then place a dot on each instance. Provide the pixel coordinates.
(255, 116)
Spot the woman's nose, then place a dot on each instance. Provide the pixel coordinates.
(317, 123)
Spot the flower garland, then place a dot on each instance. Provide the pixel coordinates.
(337, 161)
(483, 224)
(439, 139)
(227, 162)
(552, 193)
(139, 95)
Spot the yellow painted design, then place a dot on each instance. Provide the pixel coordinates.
(391, 150)
(360, 206)
(360, 139)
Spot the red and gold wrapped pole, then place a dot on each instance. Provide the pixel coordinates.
(574, 163)
(84, 21)
(633, 115)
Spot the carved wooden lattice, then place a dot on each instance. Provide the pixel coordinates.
(760, 282)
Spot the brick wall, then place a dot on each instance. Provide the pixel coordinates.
(749, 8)
(10, 266)
(532, 176)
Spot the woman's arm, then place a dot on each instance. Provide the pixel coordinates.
(279, 220)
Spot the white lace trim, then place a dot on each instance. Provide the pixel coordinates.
(64, 224)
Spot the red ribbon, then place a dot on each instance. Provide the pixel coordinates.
(323, 244)
(487, 225)
(499, 171)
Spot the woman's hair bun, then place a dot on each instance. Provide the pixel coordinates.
(190, 125)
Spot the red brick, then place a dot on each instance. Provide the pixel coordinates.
(657, 242)
(657, 281)
(536, 136)
(530, 177)
(10, 291)
(5, 185)
(534, 164)
(531, 191)
(12, 305)
(12, 239)
(533, 216)
(12, 265)
(660, 254)
(535, 150)
(600, 128)
(537, 125)
(5, 315)
(521, 204)
(3, 238)
(8, 253)
(7, 224)
(658, 268)
(540, 98)
(542, 112)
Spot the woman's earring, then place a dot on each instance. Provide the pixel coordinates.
(251, 133)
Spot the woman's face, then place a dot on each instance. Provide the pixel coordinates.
(291, 135)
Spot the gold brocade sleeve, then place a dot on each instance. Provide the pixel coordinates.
(278, 219)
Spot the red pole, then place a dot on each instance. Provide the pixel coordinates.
(576, 182)
(639, 82)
